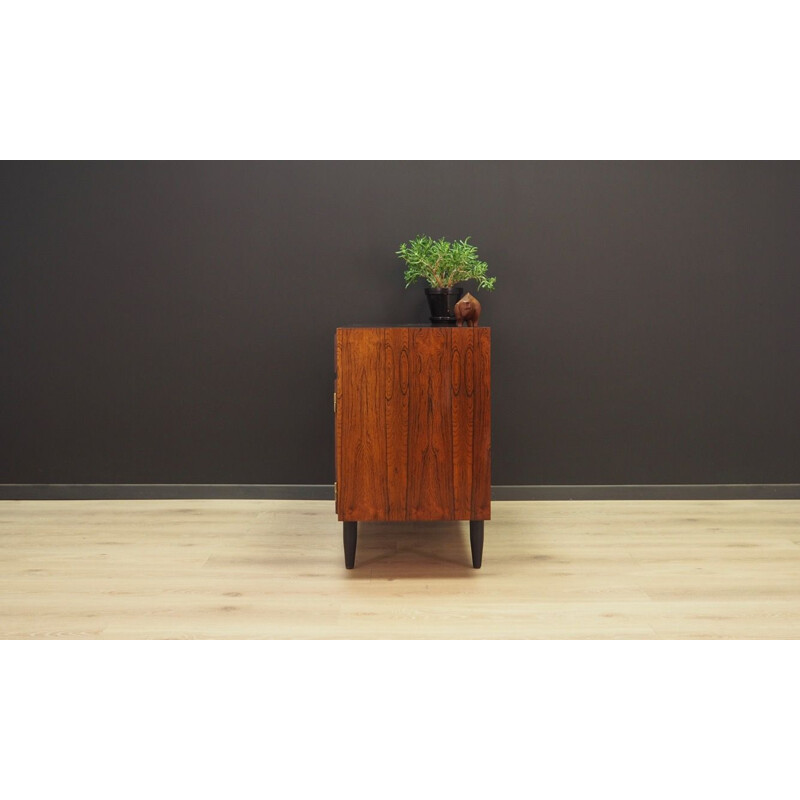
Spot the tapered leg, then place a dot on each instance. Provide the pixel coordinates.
(350, 534)
(476, 542)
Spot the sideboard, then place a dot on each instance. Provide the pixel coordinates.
(413, 428)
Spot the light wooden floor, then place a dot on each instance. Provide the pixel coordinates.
(251, 569)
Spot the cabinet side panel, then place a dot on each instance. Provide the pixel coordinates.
(482, 434)
(430, 424)
(337, 417)
(462, 382)
(395, 354)
(363, 491)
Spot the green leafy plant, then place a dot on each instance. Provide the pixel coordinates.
(443, 264)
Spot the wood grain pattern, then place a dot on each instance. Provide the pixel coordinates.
(272, 569)
(482, 434)
(462, 383)
(364, 493)
(426, 387)
(396, 367)
(430, 427)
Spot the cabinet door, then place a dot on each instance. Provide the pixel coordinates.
(372, 366)
(413, 423)
(362, 471)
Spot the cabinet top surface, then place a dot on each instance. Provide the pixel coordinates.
(429, 327)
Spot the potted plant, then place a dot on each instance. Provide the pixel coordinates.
(443, 264)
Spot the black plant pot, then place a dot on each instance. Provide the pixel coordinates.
(442, 303)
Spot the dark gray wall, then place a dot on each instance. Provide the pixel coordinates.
(173, 322)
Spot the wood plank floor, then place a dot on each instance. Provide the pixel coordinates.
(253, 569)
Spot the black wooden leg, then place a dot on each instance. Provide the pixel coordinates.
(350, 534)
(476, 542)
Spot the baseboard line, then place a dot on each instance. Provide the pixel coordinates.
(164, 491)
(686, 491)
(295, 491)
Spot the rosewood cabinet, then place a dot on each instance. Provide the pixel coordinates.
(413, 428)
